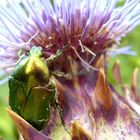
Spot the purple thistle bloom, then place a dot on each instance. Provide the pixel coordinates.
(86, 31)
(97, 25)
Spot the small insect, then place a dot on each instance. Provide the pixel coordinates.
(31, 88)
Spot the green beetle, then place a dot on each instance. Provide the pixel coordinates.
(32, 91)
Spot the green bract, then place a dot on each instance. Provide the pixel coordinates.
(32, 92)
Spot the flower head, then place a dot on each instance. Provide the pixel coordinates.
(83, 31)
(83, 26)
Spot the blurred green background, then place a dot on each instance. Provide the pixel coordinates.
(128, 64)
(7, 129)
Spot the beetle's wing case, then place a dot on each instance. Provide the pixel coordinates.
(18, 86)
(16, 95)
(37, 106)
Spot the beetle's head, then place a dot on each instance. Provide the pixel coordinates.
(35, 51)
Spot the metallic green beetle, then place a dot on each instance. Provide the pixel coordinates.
(32, 91)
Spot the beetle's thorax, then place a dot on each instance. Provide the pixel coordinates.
(37, 71)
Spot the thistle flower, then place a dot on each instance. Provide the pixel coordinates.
(86, 31)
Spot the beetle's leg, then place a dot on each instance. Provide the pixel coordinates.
(55, 104)
(53, 57)
(56, 55)
(62, 119)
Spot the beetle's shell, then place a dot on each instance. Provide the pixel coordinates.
(31, 90)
